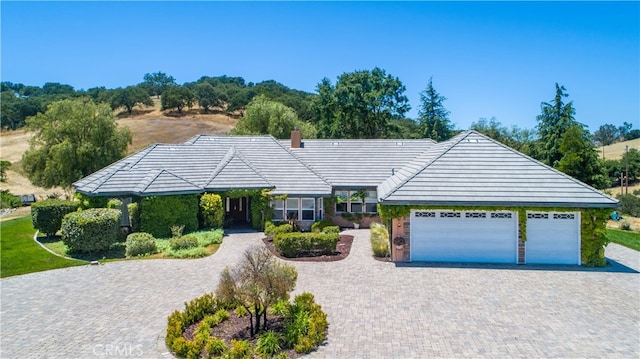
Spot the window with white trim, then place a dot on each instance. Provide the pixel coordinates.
(341, 201)
(293, 208)
(356, 202)
(278, 209)
(308, 209)
(371, 202)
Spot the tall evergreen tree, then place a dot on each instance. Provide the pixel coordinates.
(556, 118)
(434, 118)
(580, 158)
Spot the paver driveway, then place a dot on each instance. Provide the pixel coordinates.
(376, 310)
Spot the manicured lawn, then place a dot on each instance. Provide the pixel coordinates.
(625, 238)
(19, 254)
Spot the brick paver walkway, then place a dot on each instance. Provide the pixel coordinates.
(376, 309)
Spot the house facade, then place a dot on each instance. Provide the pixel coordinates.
(468, 199)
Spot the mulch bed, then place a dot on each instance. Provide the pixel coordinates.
(342, 251)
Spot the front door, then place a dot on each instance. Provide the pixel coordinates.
(237, 210)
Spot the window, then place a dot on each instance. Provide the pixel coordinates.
(320, 208)
(293, 208)
(356, 202)
(341, 201)
(278, 209)
(371, 202)
(308, 209)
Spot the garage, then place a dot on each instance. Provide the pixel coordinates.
(464, 236)
(553, 238)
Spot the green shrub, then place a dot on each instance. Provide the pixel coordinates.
(331, 229)
(625, 226)
(222, 315)
(241, 311)
(114, 203)
(197, 252)
(268, 344)
(206, 238)
(176, 231)
(159, 213)
(92, 230)
(240, 349)
(184, 242)
(134, 216)
(47, 215)
(8, 200)
(140, 243)
(320, 225)
(281, 308)
(178, 321)
(306, 327)
(298, 244)
(379, 240)
(629, 204)
(212, 210)
(271, 229)
(215, 347)
(87, 202)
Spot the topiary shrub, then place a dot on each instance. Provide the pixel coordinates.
(47, 215)
(158, 214)
(92, 230)
(298, 244)
(140, 243)
(212, 210)
(184, 242)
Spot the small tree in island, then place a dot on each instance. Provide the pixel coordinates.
(256, 283)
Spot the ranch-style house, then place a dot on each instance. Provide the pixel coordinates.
(467, 199)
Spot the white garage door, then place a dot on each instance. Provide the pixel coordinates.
(455, 236)
(553, 238)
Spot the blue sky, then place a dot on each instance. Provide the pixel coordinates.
(498, 59)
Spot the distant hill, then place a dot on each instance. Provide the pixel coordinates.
(616, 150)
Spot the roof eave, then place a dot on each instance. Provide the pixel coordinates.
(501, 204)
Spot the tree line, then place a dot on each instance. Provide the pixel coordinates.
(361, 104)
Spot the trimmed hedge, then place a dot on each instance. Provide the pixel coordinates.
(320, 225)
(299, 244)
(212, 210)
(158, 214)
(92, 230)
(331, 229)
(47, 215)
(140, 244)
(271, 229)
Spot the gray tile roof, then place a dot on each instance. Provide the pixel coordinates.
(207, 163)
(358, 163)
(472, 169)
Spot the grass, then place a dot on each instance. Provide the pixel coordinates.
(208, 243)
(625, 238)
(379, 240)
(20, 254)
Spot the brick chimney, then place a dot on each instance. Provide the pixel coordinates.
(296, 138)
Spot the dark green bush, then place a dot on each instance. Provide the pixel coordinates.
(114, 203)
(331, 229)
(87, 202)
(298, 244)
(8, 200)
(92, 230)
(158, 214)
(47, 215)
(320, 225)
(212, 210)
(630, 204)
(140, 243)
(184, 242)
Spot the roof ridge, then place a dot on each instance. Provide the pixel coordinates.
(250, 164)
(149, 181)
(592, 189)
(222, 164)
(429, 163)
